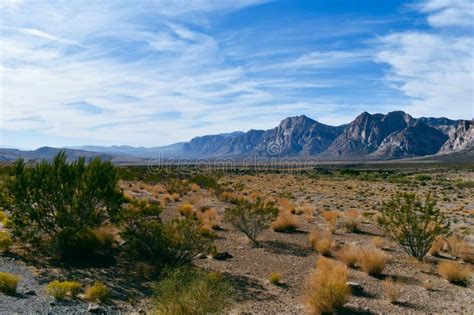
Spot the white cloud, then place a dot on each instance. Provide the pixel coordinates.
(435, 68)
(444, 13)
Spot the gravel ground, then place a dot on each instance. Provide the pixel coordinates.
(31, 297)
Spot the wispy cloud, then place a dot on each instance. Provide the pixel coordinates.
(435, 67)
(111, 72)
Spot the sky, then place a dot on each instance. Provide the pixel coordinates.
(150, 73)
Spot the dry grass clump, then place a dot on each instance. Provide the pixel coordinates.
(332, 218)
(437, 246)
(350, 220)
(286, 205)
(60, 290)
(275, 278)
(372, 260)
(210, 219)
(232, 197)
(175, 197)
(392, 290)
(96, 292)
(326, 288)
(455, 244)
(185, 209)
(378, 242)
(321, 241)
(8, 282)
(166, 198)
(5, 241)
(286, 222)
(195, 187)
(454, 272)
(349, 255)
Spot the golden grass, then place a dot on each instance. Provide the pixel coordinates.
(437, 247)
(454, 272)
(332, 218)
(195, 187)
(321, 241)
(378, 242)
(372, 260)
(285, 222)
(61, 290)
(175, 197)
(8, 282)
(286, 205)
(326, 288)
(167, 198)
(348, 255)
(96, 292)
(392, 290)
(210, 219)
(455, 244)
(5, 240)
(350, 219)
(275, 278)
(185, 209)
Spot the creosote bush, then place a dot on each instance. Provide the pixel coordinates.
(326, 288)
(61, 200)
(8, 282)
(97, 292)
(251, 218)
(176, 242)
(5, 241)
(61, 290)
(192, 291)
(454, 272)
(413, 224)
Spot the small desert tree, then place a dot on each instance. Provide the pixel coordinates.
(412, 223)
(252, 218)
(60, 199)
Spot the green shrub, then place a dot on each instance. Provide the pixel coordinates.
(8, 282)
(96, 292)
(252, 218)
(275, 278)
(59, 290)
(206, 181)
(5, 241)
(176, 242)
(192, 291)
(80, 245)
(53, 199)
(413, 224)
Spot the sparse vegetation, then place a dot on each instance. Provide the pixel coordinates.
(97, 292)
(286, 222)
(275, 278)
(392, 290)
(349, 255)
(61, 290)
(62, 200)
(252, 218)
(454, 272)
(321, 241)
(8, 282)
(326, 289)
(5, 241)
(372, 260)
(192, 291)
(413, 224)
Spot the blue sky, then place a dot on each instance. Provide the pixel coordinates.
(150, 73)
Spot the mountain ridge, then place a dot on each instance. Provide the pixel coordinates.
(395, 135)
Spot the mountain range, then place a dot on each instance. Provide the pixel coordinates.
(395, 135)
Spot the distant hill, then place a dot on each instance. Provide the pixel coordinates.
(395, 135)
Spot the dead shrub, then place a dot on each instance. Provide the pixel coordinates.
(455, 243)
(326, 288)
(437, 246)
